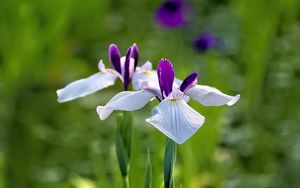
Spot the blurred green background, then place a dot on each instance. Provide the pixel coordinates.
(46, 44)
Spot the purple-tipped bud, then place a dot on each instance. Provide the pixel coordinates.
(127, 68)
(189, 82)
(114, 57)
(205, 41)
(165, 73)
(172, 13)
(135, 52)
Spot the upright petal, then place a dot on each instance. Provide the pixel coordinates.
(165, 73)
(114, 57)
(101, 66)
(210, 96)
(135, 52)
(189, 82)
(127, 68)
(127, 101)
(86, 86)
(176, 119)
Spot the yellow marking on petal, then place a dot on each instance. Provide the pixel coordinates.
(147, 73)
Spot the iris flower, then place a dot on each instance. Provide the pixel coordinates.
(173, 116)
(172, 13)
(125, 68)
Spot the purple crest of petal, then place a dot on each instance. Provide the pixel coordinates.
(114, 57)
(205, 41)
(127, 67)
(189, 82)
(165, 73)
(135, 52)
(171, 14)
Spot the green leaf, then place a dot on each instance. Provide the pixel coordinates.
(122, 155)
(169, 163)
(148, 172)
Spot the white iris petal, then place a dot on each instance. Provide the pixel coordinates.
(210, 96)
(86, 86)
(176, 119)
(140, 77)
(177, 83)
(103, 111)
(127, 101)
(151, 78)
(146, 67)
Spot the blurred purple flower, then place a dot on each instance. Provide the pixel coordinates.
(205, 41)
(172, 13)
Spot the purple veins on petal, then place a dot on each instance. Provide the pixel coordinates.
(114, 57)
(189, 82)
(171, 13)
(205, 41)
(127, 69)
(165, 73)
(135, 52)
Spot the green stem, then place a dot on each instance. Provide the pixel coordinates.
(125, 182)
(123, 144)
(169, 163)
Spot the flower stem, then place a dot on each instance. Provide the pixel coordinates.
(169, 163)
(125, 182)
(124, 136)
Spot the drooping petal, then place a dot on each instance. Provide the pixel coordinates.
(133, 100)
(114, 57)
(165, 73)
(210, 96)
(135, 52)
(176, 119)
(189, 82)
(103, 111)
(127, 101)
(86, 86)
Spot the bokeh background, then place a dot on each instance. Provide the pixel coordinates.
(46, 44)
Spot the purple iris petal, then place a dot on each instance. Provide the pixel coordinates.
(172, 13)
(127, 69)
(114, 57)
(205, 41)
(189, 82)
(135, 54)
(165, 73)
